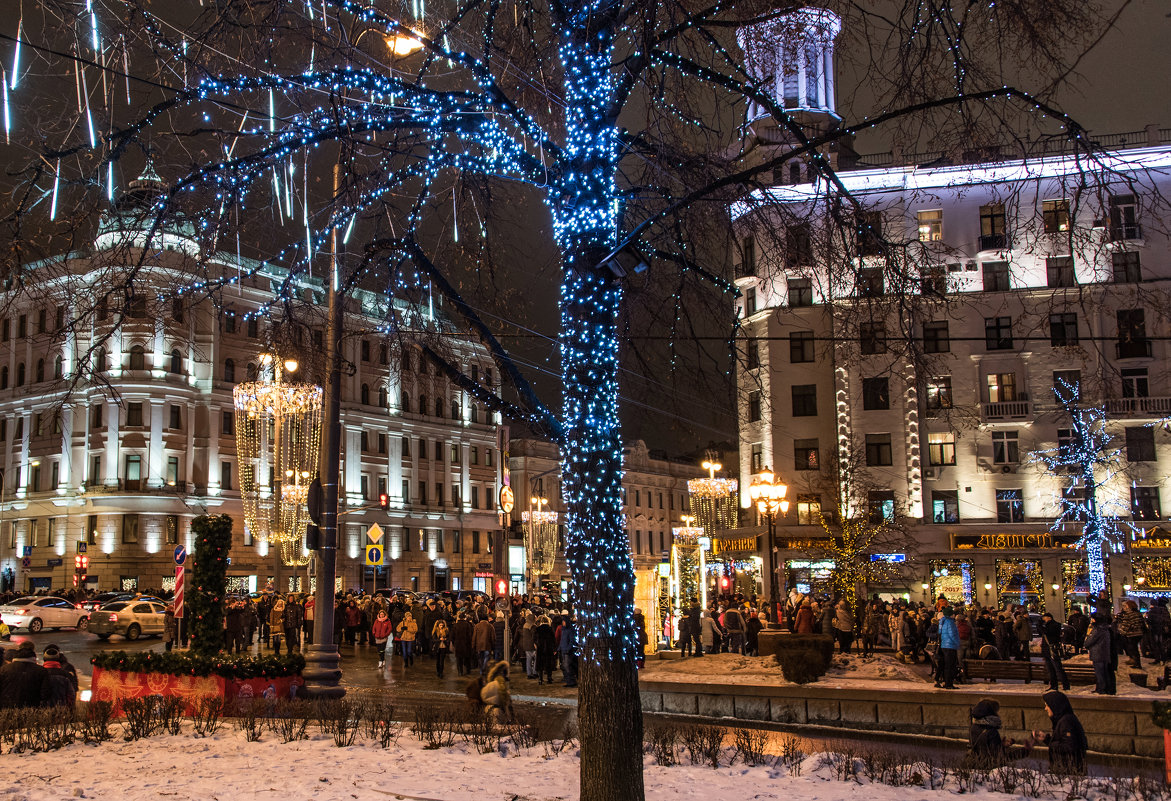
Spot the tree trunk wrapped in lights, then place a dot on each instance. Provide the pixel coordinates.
(278, 442)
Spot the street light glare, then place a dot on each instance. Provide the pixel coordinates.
(291, 365)
(402, 45)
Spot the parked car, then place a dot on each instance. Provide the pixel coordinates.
(35, 613)
(100, 600)
(131, 619)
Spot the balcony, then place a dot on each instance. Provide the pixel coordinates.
(1133, 349)
(746, 270)
(993, 242)
(1138, 407)
(1005, 410)
(1121, 233)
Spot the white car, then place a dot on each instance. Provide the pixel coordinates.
(35, 613)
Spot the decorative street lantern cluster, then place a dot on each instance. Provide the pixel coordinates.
(713, 500)
(769, 496)
(278, 442)
(540, 528)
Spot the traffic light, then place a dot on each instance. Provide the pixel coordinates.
(384, 501)
(84, 562)
(77, 562)
(724, 582)
(502, 587)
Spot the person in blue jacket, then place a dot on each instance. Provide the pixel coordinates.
(949, 648)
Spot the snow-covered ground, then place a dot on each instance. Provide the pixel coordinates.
(225, 766)
(881, 671)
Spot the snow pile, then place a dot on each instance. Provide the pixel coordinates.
(737, 669)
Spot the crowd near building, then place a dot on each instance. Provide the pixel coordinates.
(905, 336)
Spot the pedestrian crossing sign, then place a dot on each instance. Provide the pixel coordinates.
(373, 555)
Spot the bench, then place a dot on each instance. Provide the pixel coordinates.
(993, 669)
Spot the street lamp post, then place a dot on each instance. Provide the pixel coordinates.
(769, 496)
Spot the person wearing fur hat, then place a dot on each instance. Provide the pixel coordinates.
(61, 684)
(495, 694)
(23, 682)
(276, 624)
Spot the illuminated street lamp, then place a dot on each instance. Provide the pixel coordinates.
(769, 496)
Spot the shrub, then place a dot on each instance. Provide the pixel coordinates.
(804, 657)
(749, 746)
(209, 715)
(663, 739)
(94, 721)
(183, 663)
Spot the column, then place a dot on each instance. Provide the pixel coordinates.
(161, 356)
(112, 454)
(65, 471)
(188, 477)
(394, 473)
(352, 466)
(155, 477)
(23, 468)
(830, 102)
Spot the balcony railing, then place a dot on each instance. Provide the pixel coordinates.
(1005, 410)
(1134, 349)
(993, 242)
(1138, 407)
(746, 270)
(1121, 233)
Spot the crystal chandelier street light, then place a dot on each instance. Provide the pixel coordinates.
(714, 499)
(769, 496)
(278, 442)
(540, 528)
(688, 565)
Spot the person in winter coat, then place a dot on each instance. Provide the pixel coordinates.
(440, 644)
(528, 644)
(353, 621)
(382, 630)
(712, 634)
(495, 693)
(498, 626)
(804, 619)
(685, 638)
(949, 648)
(461, 644)
(276, 624)
(843, 626)
(23, 683)
(871, 628)
(309, 614)
(734, 626)
(1100, 644)
(170, 627)
(61, 685)
(484, 643)
(1051, 651)
(694, 626)
(546, 650)
(407, 630)
(752, 631)
(294, 617)
(567, 648)
(640, 635)
(1067, 742)
(986, 747)
(234, 628)
(1131, 627)
(1022, 631)
(1159, 629)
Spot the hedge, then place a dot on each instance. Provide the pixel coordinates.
(804, 657)
(180, 663)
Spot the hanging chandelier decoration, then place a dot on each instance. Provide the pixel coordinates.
(540, 528)
(278, 442)
(713, 500)
(688, 565)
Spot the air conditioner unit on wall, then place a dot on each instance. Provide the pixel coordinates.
(1008, 468)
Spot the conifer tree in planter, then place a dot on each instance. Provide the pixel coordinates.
(205, 590)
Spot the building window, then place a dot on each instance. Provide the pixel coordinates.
(941, 449)
(1067, 386)
(129, 529)
(95, 416)
(475, 497)
(1055, 215)
(422, 493)
(176, 417)
(871, 283)
(475, 541)
(799, 245)
(382, 444)
(993, 227)
(137, 358)
(930, 225)
(806, 454)
(176, 365)
(365, 348)
(1135, 383)
(172, 529)
(936, 338)
(748, 256)
(1059, 271)
(172, 471)
(455, 453)
(800, 292)
(1126, 267)
(876, 393)
(1140, 444)
(136, 307)
(878, 452)
(804, 400)
(1132, 334)
(422, 448)
(754, 404)
(800, 347)
(1005, 447)
(58, 366)
(438, 451)
(881, 506)
(1123, 218)
(133, 472)
(228, 424)
(383, 399)
(488, 457)
(751, 354)
(1001, 387)
(757, 459)
(869, 233)
(933, 280)
(939, 392)
(20, 374)
(750, 301)
(364, 395)
(1144, 503)
(134, 414)
(230, 371)
(996, 278)
(22, 326)
(225, 475)
(1063, 329)
(998, 333)
(872, 338)
(1010, 506)
(808, 510)
(364, 486)
(945, 506)
(438, 494)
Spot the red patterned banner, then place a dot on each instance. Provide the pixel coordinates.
(117, 686)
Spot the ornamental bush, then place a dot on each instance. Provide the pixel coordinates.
(181, 663)
(208, 584)
(804, 657)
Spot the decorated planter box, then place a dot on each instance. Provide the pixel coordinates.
(117, 686)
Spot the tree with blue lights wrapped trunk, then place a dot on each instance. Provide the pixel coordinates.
(625, 119)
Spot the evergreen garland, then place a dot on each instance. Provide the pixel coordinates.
(180, 663)
(208, 584)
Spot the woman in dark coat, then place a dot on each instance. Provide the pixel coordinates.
(752, 633)
(986, 747)
(461, 644)
(546, 650)
(1067, 742)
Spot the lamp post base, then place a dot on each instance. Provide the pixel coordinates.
(322, 672)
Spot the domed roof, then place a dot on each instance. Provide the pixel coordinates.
(133, 212)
